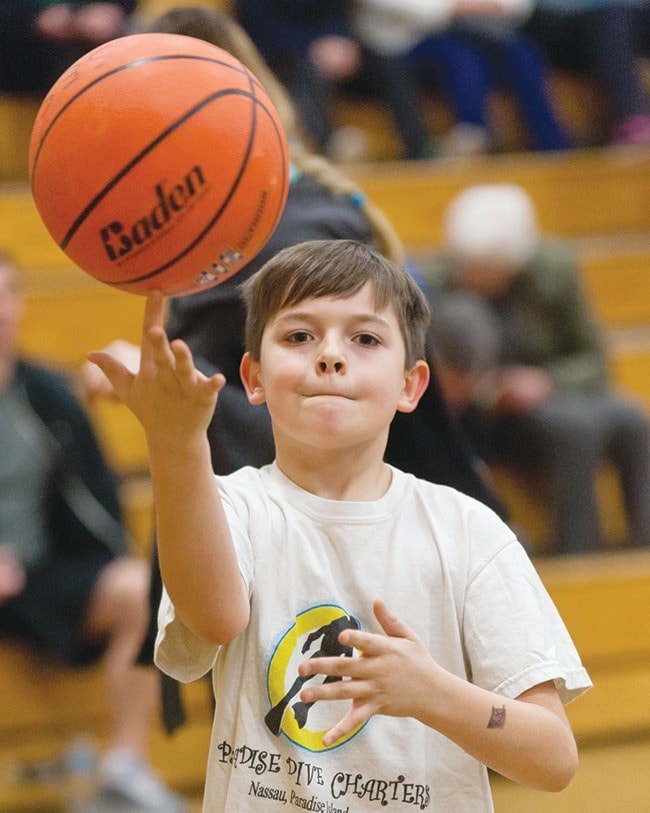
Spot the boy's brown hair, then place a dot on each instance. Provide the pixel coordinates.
(336, 268)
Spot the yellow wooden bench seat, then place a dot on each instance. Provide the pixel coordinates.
(63, 324)
(48, 706)
(631, 368)
(605, 602)
(618, 284)
(577, 194)
(17, 115)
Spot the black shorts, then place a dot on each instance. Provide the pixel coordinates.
(50, 611)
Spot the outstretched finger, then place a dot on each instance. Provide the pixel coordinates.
(390, 623)
(356, 716)
(153, 318)
(184, 362)
(331, 667)
(119, 376)
(187, 373)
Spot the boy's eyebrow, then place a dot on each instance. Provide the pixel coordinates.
(364, 318)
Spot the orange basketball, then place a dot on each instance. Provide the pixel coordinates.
(157, 161)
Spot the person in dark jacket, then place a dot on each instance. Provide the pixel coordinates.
(322, 204)
(68, 586)
(311, 49)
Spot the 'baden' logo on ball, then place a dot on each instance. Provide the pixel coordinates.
(119, 240)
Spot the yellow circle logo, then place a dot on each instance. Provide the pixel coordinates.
(315, 634)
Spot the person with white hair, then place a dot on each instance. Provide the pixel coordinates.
(550, 407)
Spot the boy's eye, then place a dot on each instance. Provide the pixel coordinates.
(367, 339)
(298, 337)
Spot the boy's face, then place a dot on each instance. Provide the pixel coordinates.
(332, 372)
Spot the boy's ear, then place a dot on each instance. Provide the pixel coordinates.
(249, 371)
(416, 381)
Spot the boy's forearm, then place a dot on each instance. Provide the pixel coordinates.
(521, 739)
(197, 557)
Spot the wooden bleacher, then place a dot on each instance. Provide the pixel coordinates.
(617, 281)
(600, 199)
(605, 601)
(48, 706)
(68, 313)
(583, 194)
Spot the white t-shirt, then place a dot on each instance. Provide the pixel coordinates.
(444, 564)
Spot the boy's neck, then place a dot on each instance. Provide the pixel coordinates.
(355, 477)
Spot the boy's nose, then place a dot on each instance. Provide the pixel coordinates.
(330, 359)
(328, 366)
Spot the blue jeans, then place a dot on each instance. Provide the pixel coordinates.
(467, 62)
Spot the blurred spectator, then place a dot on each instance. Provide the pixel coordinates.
(309, 46)
(547, 406)
(465, 345)
(42, 38)
(465, 49)
(602, 39)
(68, 587)
(312, 48)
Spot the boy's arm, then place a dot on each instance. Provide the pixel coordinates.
(527, 739)
(174, 402)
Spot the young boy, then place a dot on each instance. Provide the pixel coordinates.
(281, 579)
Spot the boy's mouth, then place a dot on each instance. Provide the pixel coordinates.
(328, 394)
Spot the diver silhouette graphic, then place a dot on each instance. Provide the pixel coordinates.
(329, 648)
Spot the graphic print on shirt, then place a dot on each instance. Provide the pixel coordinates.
(314, 635)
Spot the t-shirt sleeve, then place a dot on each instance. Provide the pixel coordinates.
(178, 652)
(514, 635)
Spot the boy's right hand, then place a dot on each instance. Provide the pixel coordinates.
(173, 400)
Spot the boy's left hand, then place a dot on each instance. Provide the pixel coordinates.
(381, 681)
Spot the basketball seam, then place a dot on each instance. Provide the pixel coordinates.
(142, 154)
(127, 66)
(233, 189)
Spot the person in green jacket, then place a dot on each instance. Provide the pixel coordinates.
(545, 401)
